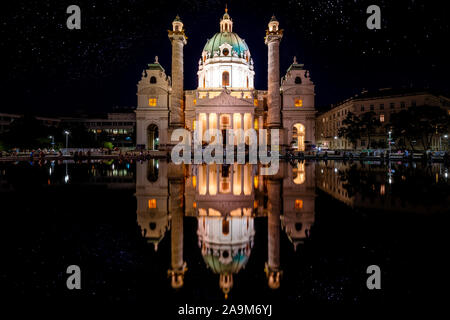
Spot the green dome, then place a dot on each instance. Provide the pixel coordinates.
(237, 263)
(231, 38)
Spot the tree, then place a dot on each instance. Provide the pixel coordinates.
(420, 123)
(369, 125)
(26, 133)
(351, 129)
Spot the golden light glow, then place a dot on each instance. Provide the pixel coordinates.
(299, 173)
(236, 212)
(255, 204)
(195, 101)
(193, 124)
(152, 203)
(299, 136)
(256, 181)
(194, 181)
(152, 102)
(194, 205)
(247, 180)
(255, 102)
(298, 102)
(237, 178)
(214, 213)
(256, 124)
(212, 179)
(298, 204)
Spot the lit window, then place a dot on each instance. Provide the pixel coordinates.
(298, 204)
(255, 102)
(194, 181)
(225, 79)
(381, 117)
(255, 182)
(298, 102)
(256, 124)
(152, 203)
(193, 124)
(194, 204)
(195, 101)
(152, 102)
(255, 204)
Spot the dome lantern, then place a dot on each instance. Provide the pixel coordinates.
(226, 24)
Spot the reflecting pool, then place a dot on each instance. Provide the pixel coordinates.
(166, 234)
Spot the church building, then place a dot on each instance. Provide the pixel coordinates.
(225, 97)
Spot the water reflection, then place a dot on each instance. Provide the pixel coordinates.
(225, 200)
(398, 187)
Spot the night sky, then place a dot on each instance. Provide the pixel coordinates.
(50, 70)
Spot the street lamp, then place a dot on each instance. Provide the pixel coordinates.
(67, 139)
(389, 142)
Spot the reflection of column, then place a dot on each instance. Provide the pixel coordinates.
(273, 271)
(176, 234)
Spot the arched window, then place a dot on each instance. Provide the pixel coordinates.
(225, 227)
(225, 79)
(204, 83)
(298, 80)
(247, 82)
(153, 80)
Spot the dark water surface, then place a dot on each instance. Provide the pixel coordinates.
(312, 230)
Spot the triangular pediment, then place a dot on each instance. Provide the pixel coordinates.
(224, 99)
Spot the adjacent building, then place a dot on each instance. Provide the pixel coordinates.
(383, 103)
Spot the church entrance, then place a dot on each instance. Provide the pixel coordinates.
(152, 137)
(298, 137)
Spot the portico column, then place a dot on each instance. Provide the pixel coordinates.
(178, 40)
(272, 40)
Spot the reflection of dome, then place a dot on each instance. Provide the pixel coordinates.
(226, 244)
(214, 44)
(219, 265)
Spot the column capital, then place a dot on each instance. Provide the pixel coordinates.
(177, 36)
(272, 36)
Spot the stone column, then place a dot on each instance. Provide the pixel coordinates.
(176, 234)
(272, 40)
(273, 271)
(178, 40)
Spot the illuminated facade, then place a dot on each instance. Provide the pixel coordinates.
(225, 97)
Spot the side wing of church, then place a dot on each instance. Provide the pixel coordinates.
(225, 97)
